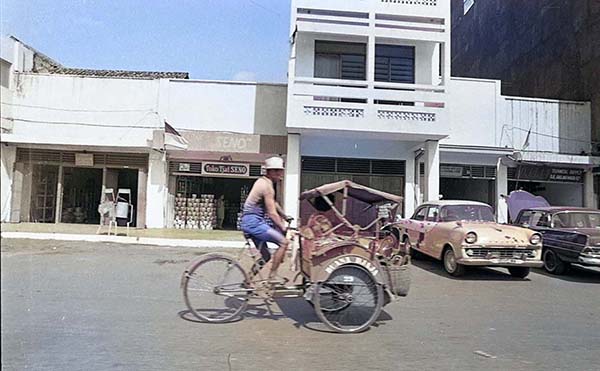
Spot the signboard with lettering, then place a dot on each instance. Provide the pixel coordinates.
(84, 159)
(548, 174)
(221, 168)
(449, 171)
(184, 166)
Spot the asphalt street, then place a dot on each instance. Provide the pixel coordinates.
(100, 306)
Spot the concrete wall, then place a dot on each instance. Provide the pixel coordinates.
(247, 108)
(59, 109)
(330, 145)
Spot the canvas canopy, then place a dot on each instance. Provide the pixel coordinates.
(357, 191)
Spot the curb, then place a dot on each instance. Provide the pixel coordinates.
(124, 239)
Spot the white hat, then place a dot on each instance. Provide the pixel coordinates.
(275, 163)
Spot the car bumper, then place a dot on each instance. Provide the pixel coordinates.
(589, 261)
(501, 262)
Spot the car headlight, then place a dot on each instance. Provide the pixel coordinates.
(587, 251)
(471, 237)
(535, 239)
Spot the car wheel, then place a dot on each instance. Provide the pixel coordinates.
(450, 264)
(519, 272)
(553, 264)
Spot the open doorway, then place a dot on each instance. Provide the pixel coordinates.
(82, 188)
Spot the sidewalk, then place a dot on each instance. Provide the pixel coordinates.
(158, 237)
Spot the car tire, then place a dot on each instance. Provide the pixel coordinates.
(519, 272)
(450, 265)
(553, 263)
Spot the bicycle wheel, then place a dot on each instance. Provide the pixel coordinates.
(350, 300)
(215, 289)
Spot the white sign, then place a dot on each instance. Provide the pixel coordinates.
(451, 171)
(84, 159)
(219, 168)
(184, 166)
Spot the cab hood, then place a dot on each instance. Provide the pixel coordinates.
(520, 200)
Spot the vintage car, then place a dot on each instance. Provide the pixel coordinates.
(462, 233)
(571, 235)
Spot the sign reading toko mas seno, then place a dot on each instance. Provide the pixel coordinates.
(217, 168)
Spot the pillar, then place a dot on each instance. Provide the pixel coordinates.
(8, 157)
(589, 198)
(410, 187)
(156, 190)
(432, 171)
(292, 176)
(501, 190)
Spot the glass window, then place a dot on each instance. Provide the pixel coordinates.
(4, 73)
(420, 214)
(432, 214)
(395, 63)
(466, 212)
(576, 220)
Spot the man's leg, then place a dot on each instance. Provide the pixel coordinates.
(278, 257)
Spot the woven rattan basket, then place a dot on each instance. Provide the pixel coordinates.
(399, 278)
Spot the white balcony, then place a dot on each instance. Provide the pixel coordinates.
(423, 8)
(407, 111)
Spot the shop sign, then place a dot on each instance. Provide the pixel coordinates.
(84, 159)
(448, 171)
(184, 166)
(218, 168)
(549, 174)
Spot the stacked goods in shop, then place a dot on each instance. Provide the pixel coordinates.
(207, 212)
(193, 212)
(180, 211)
(244, 191)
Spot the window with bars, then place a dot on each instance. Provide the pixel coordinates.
(395, 63)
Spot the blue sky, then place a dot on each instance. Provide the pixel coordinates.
(210, 39)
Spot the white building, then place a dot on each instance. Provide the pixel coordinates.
(369, 98)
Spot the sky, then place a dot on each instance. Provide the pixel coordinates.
(211, 39)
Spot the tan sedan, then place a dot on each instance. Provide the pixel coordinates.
(464, 233)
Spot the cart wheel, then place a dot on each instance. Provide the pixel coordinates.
(350, 300)
(215, 289)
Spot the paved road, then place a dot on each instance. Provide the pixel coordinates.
(98, 306)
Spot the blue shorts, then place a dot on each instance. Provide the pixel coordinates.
(257, 227)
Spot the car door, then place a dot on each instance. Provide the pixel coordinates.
(415, 226)
(429, 241)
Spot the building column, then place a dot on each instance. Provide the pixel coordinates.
(8, 157)
(292, 176)
(589, 198)
(410, 187)
(156, 190)
(501, 191)
(59, 196)
(432, 171)
(141, 198)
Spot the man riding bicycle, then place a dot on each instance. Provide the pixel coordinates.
(260, 203)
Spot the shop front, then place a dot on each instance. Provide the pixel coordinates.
(55, 186)
(558, 184)
(207, 191)
(468, 182)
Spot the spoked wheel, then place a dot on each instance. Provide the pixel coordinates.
(350, 300)
(215, 289)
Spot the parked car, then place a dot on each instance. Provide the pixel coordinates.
(461, 233)
(571, 235)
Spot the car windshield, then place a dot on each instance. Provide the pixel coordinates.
(466, 212)
(576, 220)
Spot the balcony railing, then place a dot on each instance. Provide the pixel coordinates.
(317, 103)
(422, 8)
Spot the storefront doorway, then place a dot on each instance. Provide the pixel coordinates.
(82, 190)
(219, 205)
(468, 182)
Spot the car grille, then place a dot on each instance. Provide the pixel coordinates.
(502, 253)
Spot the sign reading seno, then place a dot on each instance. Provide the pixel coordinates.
(218, 168)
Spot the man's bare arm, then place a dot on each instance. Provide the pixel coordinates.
(271, 207)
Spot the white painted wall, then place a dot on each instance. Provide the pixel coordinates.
(472, 110)
(331, 145)
(156, 190)
(67, 110)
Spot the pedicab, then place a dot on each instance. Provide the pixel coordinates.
(339, 261)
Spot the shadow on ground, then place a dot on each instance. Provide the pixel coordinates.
(471, 273)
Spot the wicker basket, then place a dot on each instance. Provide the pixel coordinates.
(399, 278)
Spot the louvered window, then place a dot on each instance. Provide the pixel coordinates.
(337, 60)
(353, 166)
(387, 167)
(395, 63)
(321, 164)
(255, 170)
